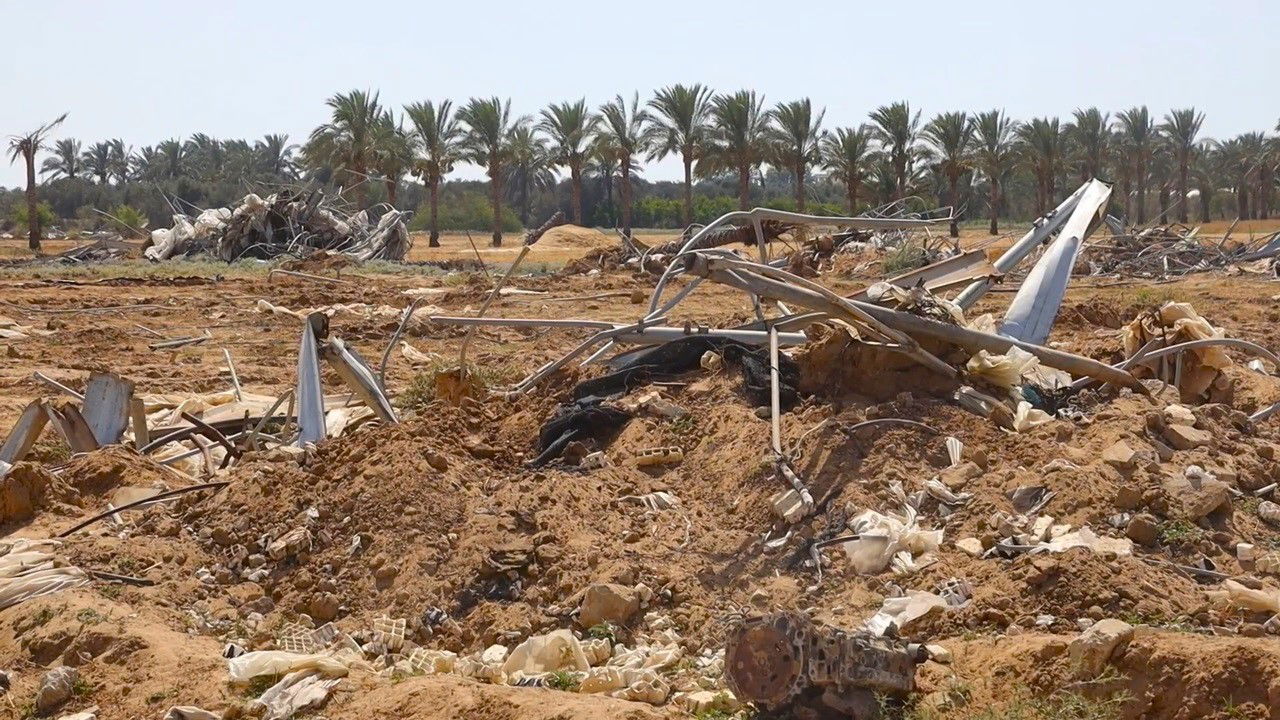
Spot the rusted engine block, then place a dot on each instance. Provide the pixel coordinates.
(784, 658)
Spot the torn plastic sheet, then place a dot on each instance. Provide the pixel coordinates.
(898, 611)
(278, 662)
(887, 539)
(29, 569)
(296, 692)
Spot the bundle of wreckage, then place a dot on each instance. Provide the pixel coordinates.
(288, 222)
(809, 252)
(101, 250)
(1171, 250)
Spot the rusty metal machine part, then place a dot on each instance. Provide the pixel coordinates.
(773, 660)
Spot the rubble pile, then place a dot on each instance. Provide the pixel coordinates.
(1163, 251)
(819, 496)
(287, 222)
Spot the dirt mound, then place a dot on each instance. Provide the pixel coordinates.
(114, 466)
(574, 236)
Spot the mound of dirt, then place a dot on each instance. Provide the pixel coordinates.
(574, 236)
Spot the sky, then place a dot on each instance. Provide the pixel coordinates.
(145, 71)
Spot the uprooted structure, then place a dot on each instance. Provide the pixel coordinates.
(286, 222)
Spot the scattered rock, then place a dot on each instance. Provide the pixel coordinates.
(1143, 529)
(607, 602)
(957, 476)
(1186, 437)
(1091, 651)
(56, 687)
(707, 701)
(323, 607)
(1120, 456)
(970, 545)
(938, 654)
(1198, 492)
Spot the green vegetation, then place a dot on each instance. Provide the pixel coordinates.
(602, 631)
(89, 616)
(562, 680)
(1177, 532)
(736, 152)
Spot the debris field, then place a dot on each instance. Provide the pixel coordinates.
(797, 491)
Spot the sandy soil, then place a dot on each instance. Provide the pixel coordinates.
(435, 498)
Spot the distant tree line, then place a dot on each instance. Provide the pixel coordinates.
(735, 151)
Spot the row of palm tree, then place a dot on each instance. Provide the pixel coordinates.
(730, 135)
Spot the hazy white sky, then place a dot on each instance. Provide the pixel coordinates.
(145, 71)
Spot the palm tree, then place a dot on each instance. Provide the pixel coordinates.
(65, 161)
(120, 160)
(898, 130)
(571, 128)
(1238, 166)
(1268, 162)
(1205, 171)
(346, 142)
(996, 156)
(951, 136)
(205, 157)
(622, 136)
(488, 144)
(529, 168)
(1254, 147)
(847, 154)
(1041, 147)
(274, 156)
(25, 147)
(1138, 132)
(392, 154)
(679, 125)
(437, 144)
(739, 140)
(172, 159)
(797, 141)
(1180, 128)
(97, 162)
(1089, 141)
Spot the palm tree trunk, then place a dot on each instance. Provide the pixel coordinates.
(688, 188)
(1206, 197)
(994, 202)
(626, 197)
(33, 215)
(575, 181)
(391, 191)
(1142, 191)
(952, 180)
(1182, 189)
(360, 171)
(1264, 191)
(495, 198)
(799, 187)
(1242, 200)
(744, 187)
(434, 240)
(851, 189)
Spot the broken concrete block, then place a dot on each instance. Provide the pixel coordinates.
(1179, 415)
(708, 701)
(1143, 529)
(607, 602)
(1120, 456)
(1198, 496)
(956, 476)
(789, 505)
(1244, 552)
(1091, 651)
(938, 654)
(494, 655)
(970, 545)
(1040, 528)
(1186, 437)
